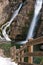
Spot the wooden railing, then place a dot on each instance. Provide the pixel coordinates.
(32, 42)
(19, 54)
(31, 54)
(24, 63)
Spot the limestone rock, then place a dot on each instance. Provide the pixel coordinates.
(23, 19)
(4, 11)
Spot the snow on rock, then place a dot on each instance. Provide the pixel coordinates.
(6, 61)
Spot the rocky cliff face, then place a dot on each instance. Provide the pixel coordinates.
(22, 21)
(4, 11)
(6, 8)
(40, 31)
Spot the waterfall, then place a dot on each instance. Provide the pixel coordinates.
(6, 25)
(38, 6)
(6, 61)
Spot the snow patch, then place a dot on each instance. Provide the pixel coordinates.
(6, 61)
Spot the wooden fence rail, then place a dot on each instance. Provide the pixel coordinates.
(32, 42)
(35, 41)
(19, 55)
(31, 54)
(25, 63)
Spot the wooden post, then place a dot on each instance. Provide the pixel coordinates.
(18, 55)
(22, 52)
(30, 49)
(13, 52)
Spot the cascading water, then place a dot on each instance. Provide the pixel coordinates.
(30, 34)
(5, 26)
(38, 7)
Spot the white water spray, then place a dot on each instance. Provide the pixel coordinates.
(5, 26)
(30, 34)
(6, 61)
(38, 7)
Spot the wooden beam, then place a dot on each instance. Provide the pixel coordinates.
(32, 42)
(25, 63)
(35, 41)
(22, 53)
(18, 57)
(39, 53)
(21, 49)
(33, 54)
(30, 50)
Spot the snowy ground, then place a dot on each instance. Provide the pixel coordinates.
(6, 61)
